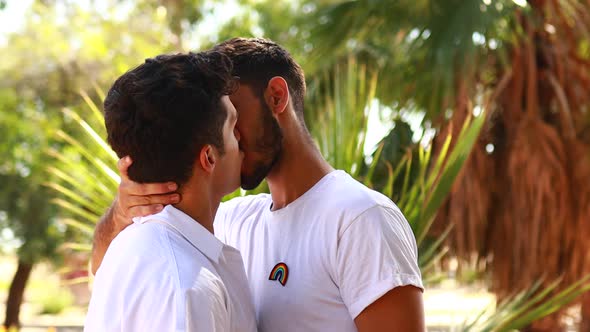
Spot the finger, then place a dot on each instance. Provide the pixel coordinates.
(147, 189)
(164, 199)
(144, 210)
(123, 165)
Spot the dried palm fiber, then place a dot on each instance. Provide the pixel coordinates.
(538, 198)
(509, 108)
(578, 159)
(462, 230)
(448, 127)
(576, 259)
(470, 199)
(570, 225)
(451, 127)
(571, 84)
(472, 190)
(549, 219)
(566, 74)
(580, 260)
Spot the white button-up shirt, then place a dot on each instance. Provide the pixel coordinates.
(166, 272)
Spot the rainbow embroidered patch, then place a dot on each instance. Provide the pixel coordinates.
(280, 272)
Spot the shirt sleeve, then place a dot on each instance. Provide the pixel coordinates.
(376, 253)
(133, 290)
(127, 297)
(206, 306)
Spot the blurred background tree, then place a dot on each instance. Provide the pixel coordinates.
(62, 49)
(23, 200)
(421, 67)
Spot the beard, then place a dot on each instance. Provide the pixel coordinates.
(270, 145)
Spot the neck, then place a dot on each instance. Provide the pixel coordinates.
(199, 203)
(299, 168)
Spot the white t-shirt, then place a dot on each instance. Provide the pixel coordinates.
(166, 272)
(315, 264)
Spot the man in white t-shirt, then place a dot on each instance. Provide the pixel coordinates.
(322, 252)
(167, 271)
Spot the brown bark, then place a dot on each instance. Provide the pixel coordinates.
(527, 195)
(16, 292)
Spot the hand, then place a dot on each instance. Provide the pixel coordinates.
(140, 199)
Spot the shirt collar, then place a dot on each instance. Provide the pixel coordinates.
(190, 229)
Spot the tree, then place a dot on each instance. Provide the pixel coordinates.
(22, 197)
(36, 81)
(519, 192)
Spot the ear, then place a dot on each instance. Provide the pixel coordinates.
(276, 95)
(208, 158)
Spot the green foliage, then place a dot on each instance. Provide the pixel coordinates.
(53, 301)
(526, 306)
(86, 174)
(338, 104)
(24, 135)
(36, 80)
(47, 292)
(425, 47)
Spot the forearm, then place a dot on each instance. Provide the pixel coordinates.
(104, 233)
(400, 309)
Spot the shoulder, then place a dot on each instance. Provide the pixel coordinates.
(346, 190)
(353, 202)
(382, 221)
(136, 265)
(140, 249)
(139, 240)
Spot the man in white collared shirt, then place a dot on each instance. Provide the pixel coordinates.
(167, 271)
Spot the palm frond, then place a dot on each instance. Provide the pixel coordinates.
(341, 102)
(526, 306)
(83, 173)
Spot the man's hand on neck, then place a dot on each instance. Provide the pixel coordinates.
(133, 200)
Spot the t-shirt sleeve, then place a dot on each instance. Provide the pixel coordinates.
(375, 254)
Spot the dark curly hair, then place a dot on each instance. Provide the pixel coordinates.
(164, 111)
(257, 60)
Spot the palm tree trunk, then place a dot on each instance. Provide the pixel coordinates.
(16, 292)
(585, 321)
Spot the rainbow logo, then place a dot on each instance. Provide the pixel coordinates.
(280, 272)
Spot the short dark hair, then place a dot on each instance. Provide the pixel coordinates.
(164, 111)
(257, 60)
